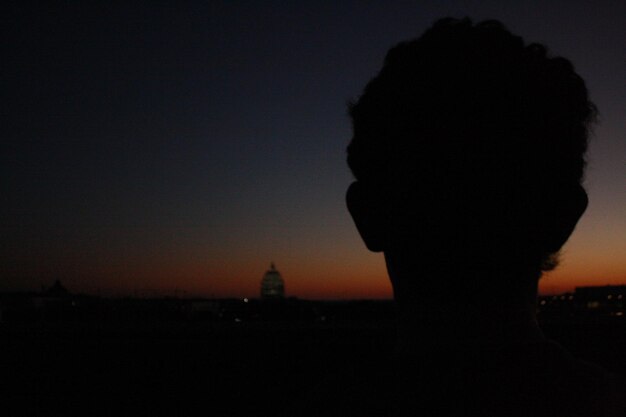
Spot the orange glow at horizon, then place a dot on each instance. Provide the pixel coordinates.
(306, 279)
(336, 266)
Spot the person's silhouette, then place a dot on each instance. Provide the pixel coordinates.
(468, 157)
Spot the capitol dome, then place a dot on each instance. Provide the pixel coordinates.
(272, 285)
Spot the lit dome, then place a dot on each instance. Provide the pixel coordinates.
(272, 285)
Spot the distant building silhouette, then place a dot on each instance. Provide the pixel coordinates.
(606, 300)
(272, 285)
(56, 290)
(585, 302)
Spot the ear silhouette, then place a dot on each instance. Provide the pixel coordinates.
(369, 215)
(567, 210)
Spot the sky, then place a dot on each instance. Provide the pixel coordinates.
(179, 148)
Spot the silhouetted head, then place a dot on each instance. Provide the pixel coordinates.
(468, 153)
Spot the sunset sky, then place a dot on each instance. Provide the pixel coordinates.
(184, 147)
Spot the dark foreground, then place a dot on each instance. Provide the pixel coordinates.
(220, 369)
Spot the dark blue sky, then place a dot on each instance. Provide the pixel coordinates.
(187, 145)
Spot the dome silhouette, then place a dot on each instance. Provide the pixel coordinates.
(272, 285)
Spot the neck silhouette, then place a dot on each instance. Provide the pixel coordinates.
(437, 306)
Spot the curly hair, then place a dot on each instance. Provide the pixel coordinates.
(472, 107)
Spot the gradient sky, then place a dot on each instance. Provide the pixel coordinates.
(184, 147)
